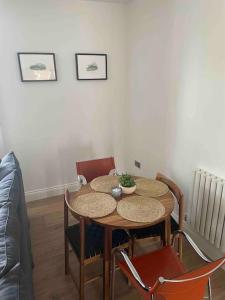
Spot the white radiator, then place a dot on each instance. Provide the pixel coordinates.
(208, 208)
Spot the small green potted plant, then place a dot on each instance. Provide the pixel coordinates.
(127, 184)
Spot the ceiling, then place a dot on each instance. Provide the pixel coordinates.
(117, 1)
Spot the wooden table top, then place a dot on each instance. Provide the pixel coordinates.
(115, 220)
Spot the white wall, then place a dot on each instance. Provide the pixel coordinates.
(175, 107)
(52, 125)
(177, 88)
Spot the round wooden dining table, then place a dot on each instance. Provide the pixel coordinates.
(114, 221)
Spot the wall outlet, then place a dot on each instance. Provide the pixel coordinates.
(137, 164)
(185, 217)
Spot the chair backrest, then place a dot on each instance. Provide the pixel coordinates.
(91, 169)
(172, 186)
(188, 286)
(177, 193)
(67, 208)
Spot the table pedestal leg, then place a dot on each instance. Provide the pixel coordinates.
(107, 263)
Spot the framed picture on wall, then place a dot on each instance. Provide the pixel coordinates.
(91, 66)
(36, 66)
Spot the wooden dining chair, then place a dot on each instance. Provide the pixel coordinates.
(159, 229)
(160, 275)
(87, 242)
(87, 238)
(91, 169)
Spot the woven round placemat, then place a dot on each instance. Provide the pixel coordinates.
(140, 209)
(150, 187)
(94, 205)
(104, 184)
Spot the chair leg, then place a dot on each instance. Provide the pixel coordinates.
(180, 247)
(81, 281)
(113, 273)
(82, 257)
(132, 242)
(130, 253)
(66, 256)
(163, 239)
(131, 247)
(209, 290)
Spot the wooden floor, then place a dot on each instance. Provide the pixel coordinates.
(50, 283)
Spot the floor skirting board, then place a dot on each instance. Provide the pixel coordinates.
(50, 192)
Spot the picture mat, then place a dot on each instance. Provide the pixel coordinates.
(27, 60)
(85, 60)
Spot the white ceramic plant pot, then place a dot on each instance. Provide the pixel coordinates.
(128, 190)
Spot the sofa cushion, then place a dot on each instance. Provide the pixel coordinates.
(10, 158)
(15, 246)
(8, 164)
(9, 223)
(9, 284)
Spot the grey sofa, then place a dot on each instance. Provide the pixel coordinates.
(15, 246)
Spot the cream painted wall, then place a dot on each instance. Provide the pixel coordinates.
(176, 88)
(51, 125)
(173, 118)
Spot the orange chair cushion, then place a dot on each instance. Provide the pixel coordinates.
(151, 266)
(194, 289)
